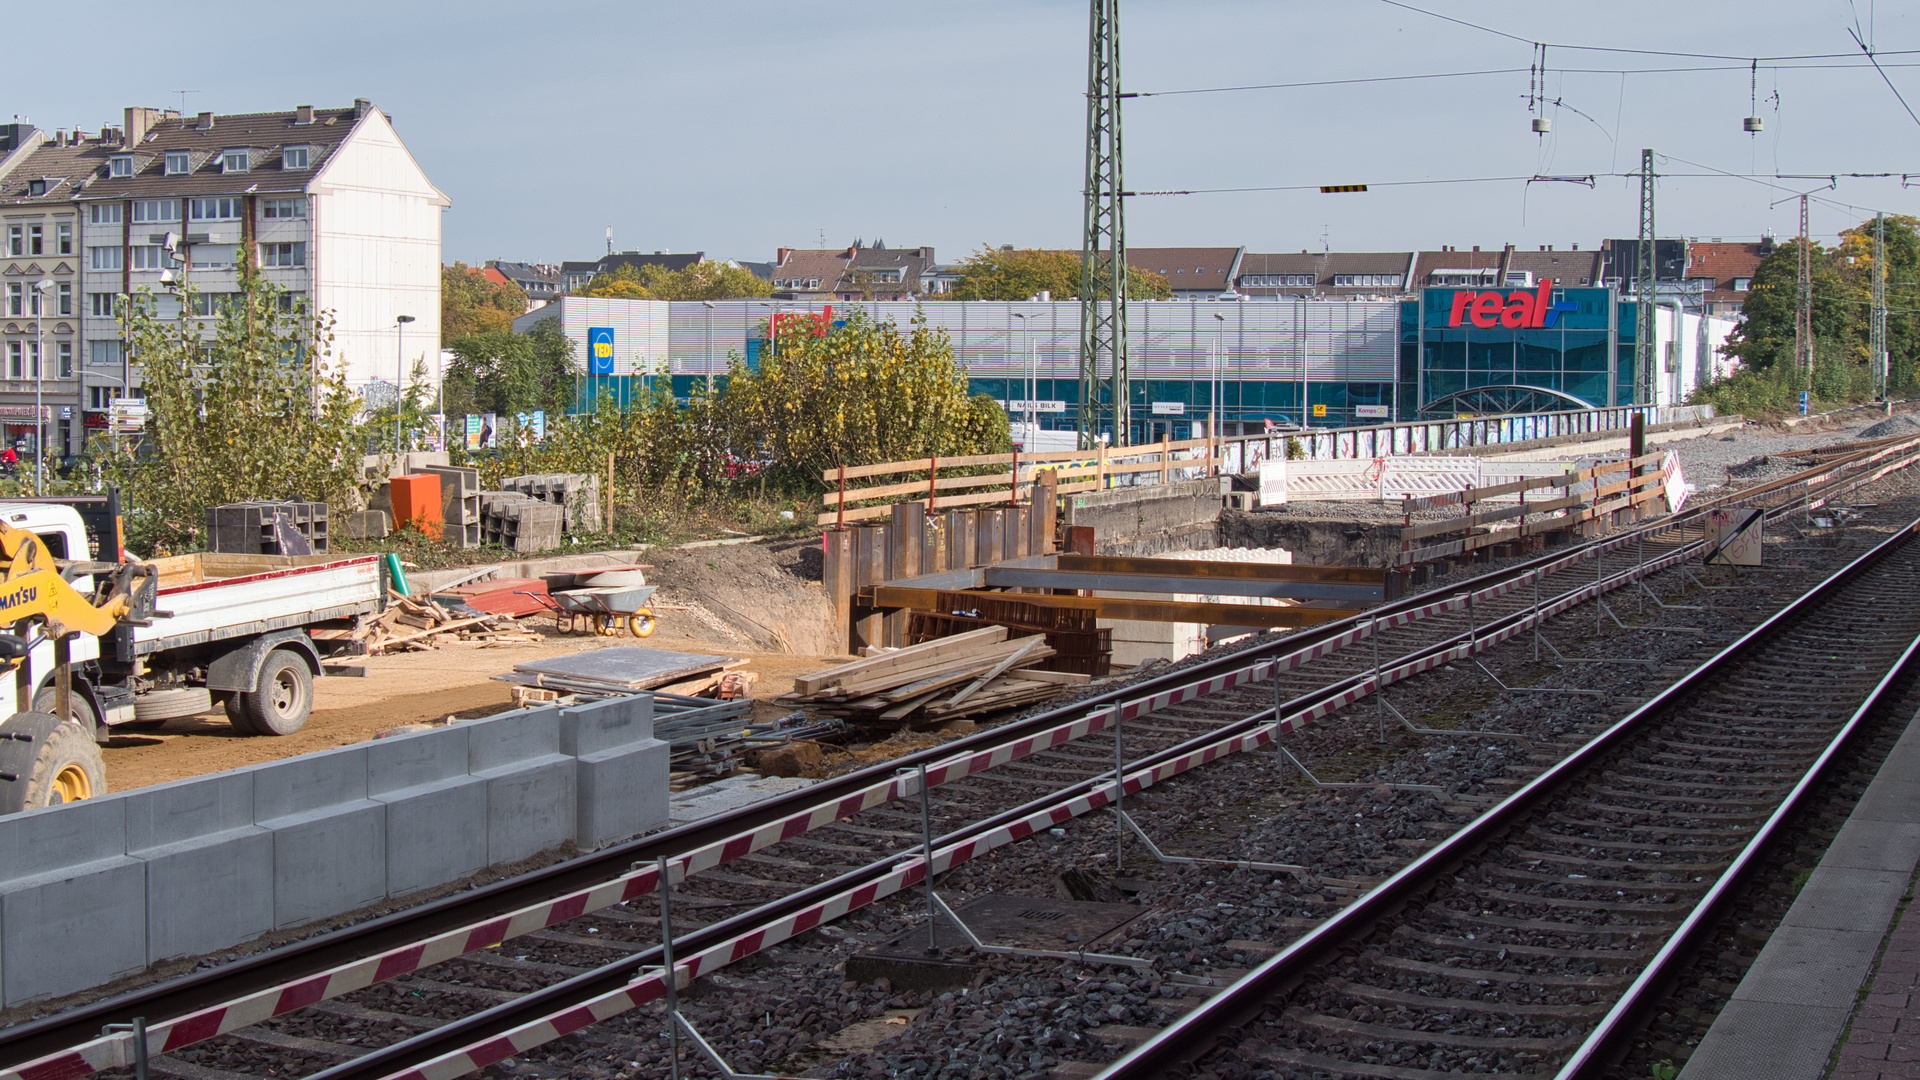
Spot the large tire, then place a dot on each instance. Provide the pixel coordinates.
(79, 709)
(51, 763)
(175, 704)
(285, 697)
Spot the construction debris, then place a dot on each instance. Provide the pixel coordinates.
(981, 671)
(421, 624)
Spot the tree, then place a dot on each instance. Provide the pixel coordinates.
(623, 282)
(258, 411)
(1016, 274)
(1764, 335)
(471, 304)
(512, 373)
(703, 281)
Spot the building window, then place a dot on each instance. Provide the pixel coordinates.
(233, 161)
(156, 212)
(16, 298)
(1742, 284)
(15, 364)
(813, 283)
(120, 165)
(63, 238)
(108, 305)
(214, 256)
(104, 214)
(207, 305)
(16, 239)
(1366, 281)
(106, 354)
(36, 187)
(293, 157)
(152, 257)
(1702, 284)
(178, 163)
(33, 356)
(221, 209)
(283, 255)
(288, 300)
(36, 300)
(65, 355)
(283, 208)
(63, 298)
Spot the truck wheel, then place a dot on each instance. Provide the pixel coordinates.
(175, 704)
(51, 763)
(78, 706)
(285, 697)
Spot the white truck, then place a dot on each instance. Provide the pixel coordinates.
(226, 630)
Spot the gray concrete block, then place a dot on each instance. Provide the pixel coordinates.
(1812, 967)
(1753, 1039)
(73, 929)
(1889, 800)
(1848, 899)
(310, 782)
(208, 893)
(188, 810)
(327, 861)
(531, 807)
(436, 833)
(410, 761)
(606, 724)
(1892, 846)
(51, 840)
(513, 739)
(623, 793)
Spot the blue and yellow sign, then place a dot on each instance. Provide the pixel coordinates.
(600, 350)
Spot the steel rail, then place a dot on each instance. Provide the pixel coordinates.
(291, 967)
(1195, 1034)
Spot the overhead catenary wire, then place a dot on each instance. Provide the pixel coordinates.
(1752, 66)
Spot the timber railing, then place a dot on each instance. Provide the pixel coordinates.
(1575, 498)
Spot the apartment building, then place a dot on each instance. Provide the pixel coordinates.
(334, 207)
(39, 288)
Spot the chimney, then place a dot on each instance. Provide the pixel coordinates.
(1476, 247)
(1576, 247)
(139, 122)
(360, 107)
(780, 256)
(204, 121)
(303, 114)
(60, 137)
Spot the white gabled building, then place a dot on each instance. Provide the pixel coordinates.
(333, 205)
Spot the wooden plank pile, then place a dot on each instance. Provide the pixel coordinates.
(981, 671)
(419, 624)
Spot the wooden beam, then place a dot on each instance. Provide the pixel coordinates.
(1105, 607)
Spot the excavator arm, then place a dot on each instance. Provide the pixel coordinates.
(34, 587)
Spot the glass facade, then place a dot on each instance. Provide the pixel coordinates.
(1587, 353)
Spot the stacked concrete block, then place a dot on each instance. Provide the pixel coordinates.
(247, 528)
(97, 890)
(436, 810)
(621, 768)
(460, 503)
(577, 493)
(519, 523)
(72, 912)
(368, 525)
(205, 858)
(329, 839)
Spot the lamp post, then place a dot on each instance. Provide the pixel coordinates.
(42, 289)
(1032, 432)
(1214, 387)
(708, 304)
(400, 377)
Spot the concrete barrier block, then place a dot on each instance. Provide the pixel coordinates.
(72, 929)
(623, 793)
(208, 893)
(531, 807)
(411, 761)
(606, 724)
(436, 833)
(309, 782)
(513, 739)
(327, 861)
(187, 810)
(51, 840)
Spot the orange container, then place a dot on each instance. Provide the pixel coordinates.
(416, 502)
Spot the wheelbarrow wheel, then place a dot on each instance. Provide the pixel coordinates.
(606, 625)
(640, 623)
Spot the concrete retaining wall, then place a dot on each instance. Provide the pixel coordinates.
(97, 890)
(1150, 519)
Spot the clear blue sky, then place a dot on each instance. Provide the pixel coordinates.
(738, 127)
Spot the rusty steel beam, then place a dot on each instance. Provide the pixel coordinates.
(1198, 568)
(898, 595)
(1003, 577)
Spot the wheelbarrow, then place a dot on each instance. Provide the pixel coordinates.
(608, 609)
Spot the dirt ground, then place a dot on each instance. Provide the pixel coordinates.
(761, 602)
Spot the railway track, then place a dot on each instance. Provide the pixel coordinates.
(797, 862)
(1537, 938)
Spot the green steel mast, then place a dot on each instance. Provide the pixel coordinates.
(1103, 252)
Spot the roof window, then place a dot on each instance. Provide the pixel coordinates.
(294, 157)
(120, 165)
(234, 161)
(178, 163)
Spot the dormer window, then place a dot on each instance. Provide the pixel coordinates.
(234, 161)
(293, 157)
(178, 163)
(120, 165)
(36, 187)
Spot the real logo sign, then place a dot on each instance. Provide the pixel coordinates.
(1516, 310)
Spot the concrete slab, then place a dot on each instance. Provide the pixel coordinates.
(1812, 967)
(301, 785)
(531, 806)
(208, 893)
(1844, 898)
(436, 833)
(707, 800)
(1891, 800)
(622, 793)
(188, 809)
(327, 861)
(1766, 1039)
(606, 724)
(510, 739)
(1893, 847)
(410, 761)
(73, 929)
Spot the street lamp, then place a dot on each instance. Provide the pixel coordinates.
(44, 288)
(400, 377)
(708, 304)
(1032, 433)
